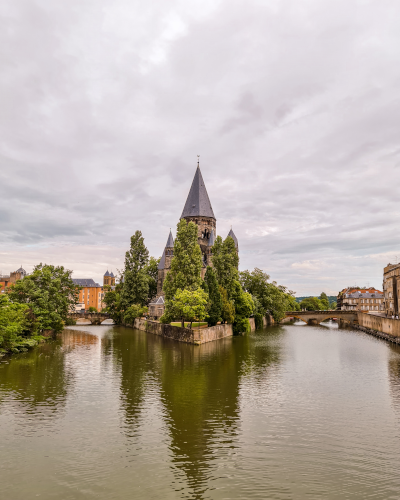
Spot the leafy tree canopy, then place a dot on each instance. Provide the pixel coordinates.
(225, 262)
(244, 307)
(133, 312)
(312, 304)
(228, 308)
(152, 273)
(272, 298)
(185, 272)
(135, 288)
(112, 300)
(189, 305)
(13, 323)
(50, 295)
(215, 299)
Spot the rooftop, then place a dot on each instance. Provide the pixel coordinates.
(198, 203)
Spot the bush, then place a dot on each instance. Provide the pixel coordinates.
(258, 319)
(92, 309)
(241, 325)
(70, 322)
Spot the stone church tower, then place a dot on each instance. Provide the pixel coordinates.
(197, 209)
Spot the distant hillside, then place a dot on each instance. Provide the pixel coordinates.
(331, 298)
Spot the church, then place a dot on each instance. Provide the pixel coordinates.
(197, 209)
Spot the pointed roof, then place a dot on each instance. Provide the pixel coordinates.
(198, 202)
(170, 241)
(211, 239)
(107, 273)
(232, 235)
(161, 264)
(111, 274)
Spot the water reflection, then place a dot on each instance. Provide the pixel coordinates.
(199, 388)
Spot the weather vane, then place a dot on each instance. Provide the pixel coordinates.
(198, 156)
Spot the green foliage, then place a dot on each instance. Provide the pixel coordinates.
(112, 299)
(186, 264)
(152, 274)
(258, 319)
(13, 323)
(225, 262)
(228, 309)
(244, 307)
(135, 288)
(133, 312)
(212, 288)
(92, 309)
(271, 298)
(324, 300)
(70, 322)
(49, 293)
(189, 305)
(312, 304)
(333, 305)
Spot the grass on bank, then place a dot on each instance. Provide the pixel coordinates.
(194, 325)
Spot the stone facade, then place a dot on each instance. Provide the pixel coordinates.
(364, 300)
(391, 289)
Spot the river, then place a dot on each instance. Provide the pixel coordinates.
(289, 412)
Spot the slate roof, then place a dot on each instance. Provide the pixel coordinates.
(21, 270)
(211, 239)
(170, 242)
(86, 282)
(111, 274)
(367, 295)
(198, 202)
(107, 273)
(232, 235)
(159, 301)
(161, 264)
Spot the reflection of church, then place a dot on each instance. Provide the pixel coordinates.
(197, 209)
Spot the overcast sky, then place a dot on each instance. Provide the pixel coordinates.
(293, 105)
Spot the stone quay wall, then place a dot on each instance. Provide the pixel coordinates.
(195, 336)
(378, 326)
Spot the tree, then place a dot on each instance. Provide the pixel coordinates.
(244, 307)
(228, 309)
(225, 262)
(189, 305)
(333, 305)
(215, 310)
(133, 312)
(324, 300)
(135, 288)
(92, 309)
(186, 264)
(112, 300)
(311, 304)
(152, 273)
(13, 323)
(50, 295)
(274, 299)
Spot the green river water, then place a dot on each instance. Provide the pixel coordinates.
(289, 412)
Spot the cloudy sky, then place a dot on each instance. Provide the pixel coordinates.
(293, 105)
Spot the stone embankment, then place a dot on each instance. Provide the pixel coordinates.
(196, 336)
(379, 326)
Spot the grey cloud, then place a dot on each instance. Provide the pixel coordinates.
(292, 106)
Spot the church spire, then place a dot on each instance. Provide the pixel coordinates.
(198, 203)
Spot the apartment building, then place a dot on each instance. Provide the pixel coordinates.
(391, 289)
(91, 294)
(361, 299)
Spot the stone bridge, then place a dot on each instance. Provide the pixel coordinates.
(95, 318)
(315, 317)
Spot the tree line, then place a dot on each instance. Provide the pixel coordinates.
(321, 303)
(224, 295)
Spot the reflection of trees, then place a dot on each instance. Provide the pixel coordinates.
(38, 379)
(133, 360)
(199, 388)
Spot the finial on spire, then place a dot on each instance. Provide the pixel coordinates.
(198, 161)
